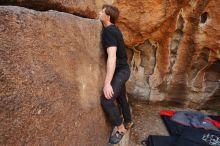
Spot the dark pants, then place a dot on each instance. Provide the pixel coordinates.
(118, 85)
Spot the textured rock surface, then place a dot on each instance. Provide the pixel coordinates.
(142, 65)
(84, 8)
(147, 19)
(185, 37)
(50, 72)
(212, 87)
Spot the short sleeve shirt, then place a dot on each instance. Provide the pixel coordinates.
(112, 37)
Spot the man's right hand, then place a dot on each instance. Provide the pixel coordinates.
(108, 91)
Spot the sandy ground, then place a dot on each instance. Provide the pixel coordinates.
(147, 122)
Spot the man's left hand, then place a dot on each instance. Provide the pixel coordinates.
(108, 91)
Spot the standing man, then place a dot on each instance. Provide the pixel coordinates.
(118, 73)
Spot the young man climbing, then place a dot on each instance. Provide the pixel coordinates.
(118, 73)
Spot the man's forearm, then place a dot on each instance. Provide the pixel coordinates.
(111, 63)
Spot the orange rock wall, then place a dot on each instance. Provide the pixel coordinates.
(185, 35)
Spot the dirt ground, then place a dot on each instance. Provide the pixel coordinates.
(147, 122)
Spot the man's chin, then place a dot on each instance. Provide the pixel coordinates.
(100, 20)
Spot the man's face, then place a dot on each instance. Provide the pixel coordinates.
(103, 16)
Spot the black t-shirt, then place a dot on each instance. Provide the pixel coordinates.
(112, 36)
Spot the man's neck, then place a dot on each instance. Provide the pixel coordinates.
(106, 24)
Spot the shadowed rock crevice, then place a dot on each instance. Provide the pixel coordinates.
(212, 87)
(213, 103)
(142, 65)
(197, 68)
(148, 57)
(204, 17)
(176, 94)
(174, 90)
(174, 45)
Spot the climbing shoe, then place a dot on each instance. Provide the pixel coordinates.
(116, 137)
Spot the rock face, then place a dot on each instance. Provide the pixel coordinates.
(212, 87)
(84, 8)
(51, 65)
(173, 45)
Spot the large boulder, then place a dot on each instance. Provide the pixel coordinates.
(84, 8)
(51, 72)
